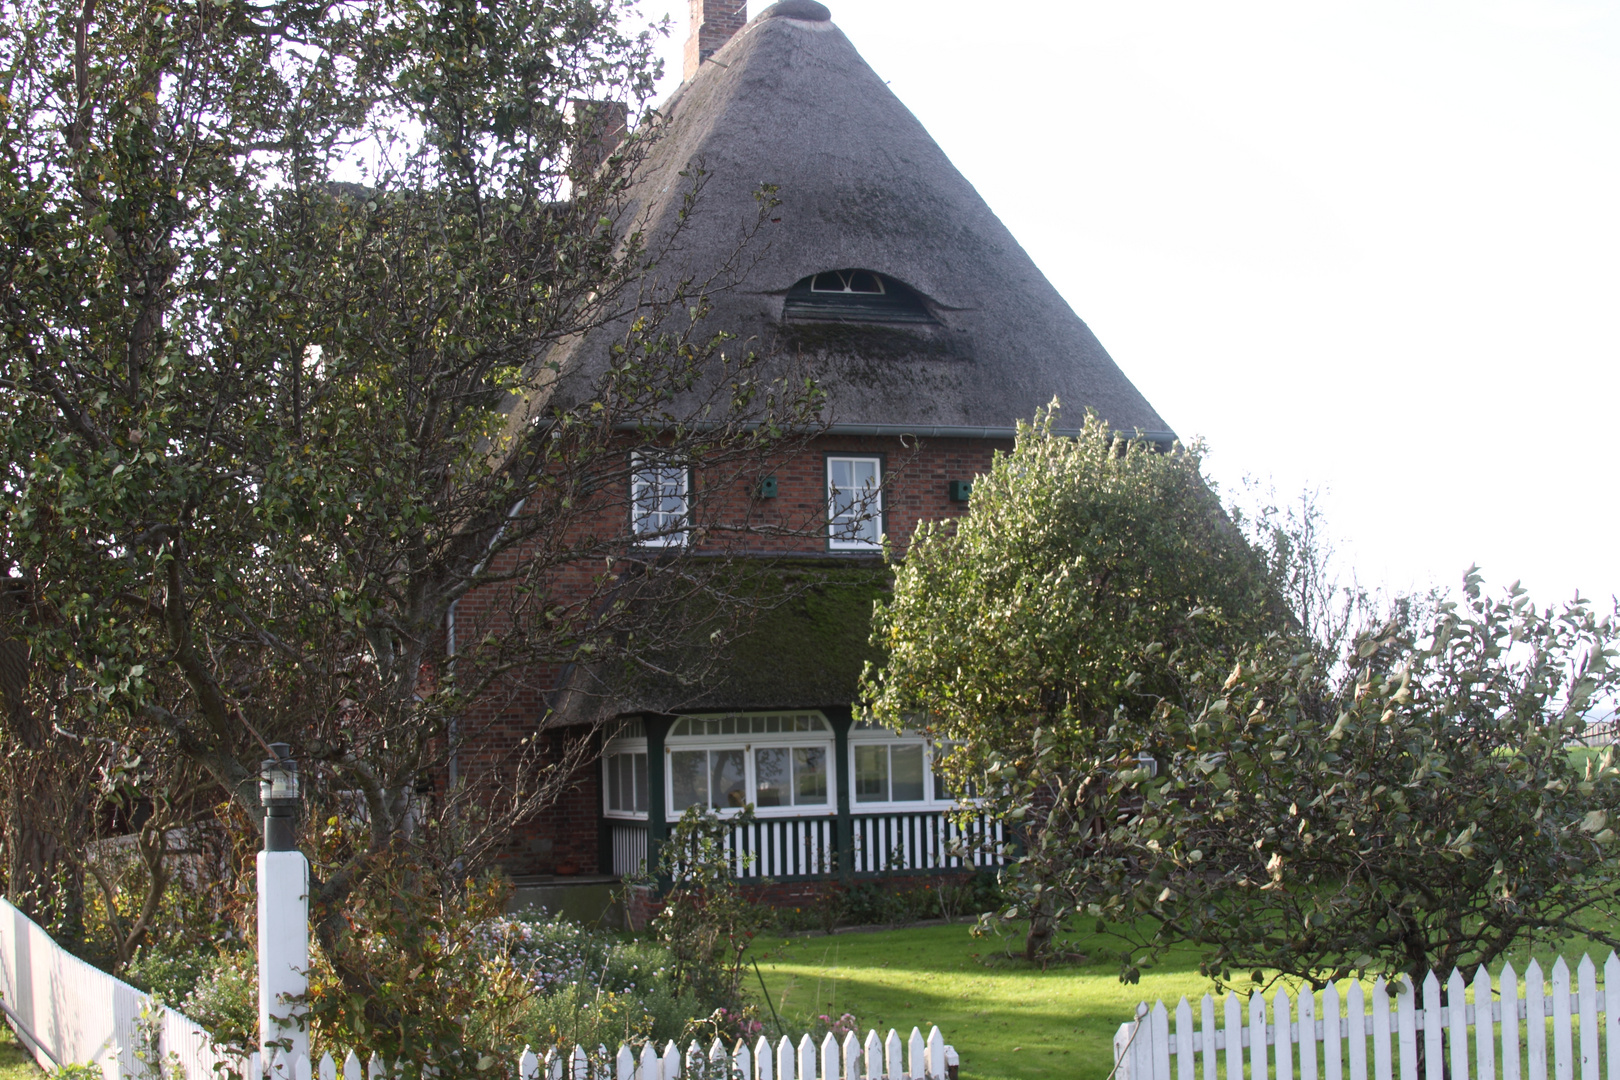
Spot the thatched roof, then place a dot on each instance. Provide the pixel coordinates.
(788, 101)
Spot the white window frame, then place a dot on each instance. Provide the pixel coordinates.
(871, 511)
(820, 740)
(612, 750)
(882, 736)
(646, 469)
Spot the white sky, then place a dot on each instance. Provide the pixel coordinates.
(1369, 246)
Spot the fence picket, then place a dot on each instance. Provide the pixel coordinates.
(1586, 974)
(1406, 1027)
(1160, 1021)
(1457, 1023)
(1484, 1045)
(829, 1058)
(784, 1060)
(1257, 1036)
(1184, 1040)
(672, 1061)
(652, 1066)
(1510, 1023)
(893, 1053)
(351, 1065)
(936, 1054)
(1563, 1044)
(1142, 1045)
(1206, 1035)
(374, 1068)
(1234, 1037)
(1307, 1035)
(852, 1056)
(1332, 1035)
(1535, 1023)
(1434, 1036)
(874, 1057)
(1283, 1016)
(806, 1062)
(1356, 1031)
(914, 1054)
(1380, 1027)
(1611, 1015)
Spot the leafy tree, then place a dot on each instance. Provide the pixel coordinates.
(1182, 763)
(1087, 574)
(281, 283)
(1430, 809)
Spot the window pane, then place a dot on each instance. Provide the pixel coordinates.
(771, 770)
(810, 776)
(941, 791)
(871, 774)
(615, 789)
(906, 781)
(658, 494)
(854, 503)
(727, 785)
(639, 780)
(689, 778)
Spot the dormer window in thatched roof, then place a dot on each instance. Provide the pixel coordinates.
(855, 296)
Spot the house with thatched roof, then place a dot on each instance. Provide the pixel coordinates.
(881, 270)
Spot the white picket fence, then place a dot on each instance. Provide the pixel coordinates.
(874, 1058)
(66, 1011)
(1498, 1034)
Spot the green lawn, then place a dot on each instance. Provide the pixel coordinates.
(1008, 1021)
(15, 1064)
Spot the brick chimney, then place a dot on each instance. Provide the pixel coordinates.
(599, 128)
(713, 23)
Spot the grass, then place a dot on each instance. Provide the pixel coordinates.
(15, 1062)
(1008, 1020)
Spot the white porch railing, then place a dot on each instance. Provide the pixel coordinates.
(66, 1011)
(852, 1059)
(1498, 1034)
(924, 840)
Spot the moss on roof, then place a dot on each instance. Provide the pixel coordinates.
(802, 644)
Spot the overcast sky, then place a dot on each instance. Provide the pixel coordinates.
(1371, 247)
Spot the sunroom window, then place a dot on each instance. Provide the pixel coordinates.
(774, 761)
(890, 767)
(627, 782)
(890, 773)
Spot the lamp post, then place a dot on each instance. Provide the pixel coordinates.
(283, 916)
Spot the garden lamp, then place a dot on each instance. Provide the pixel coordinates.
(278, 792)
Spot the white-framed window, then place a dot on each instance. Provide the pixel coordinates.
(659, 491)
(627, 782)
(854, 502)
(624, 772)
(781, 763)
(888, 768)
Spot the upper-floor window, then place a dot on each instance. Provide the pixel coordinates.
(856, 296)
(658, 500)
(854, 502)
